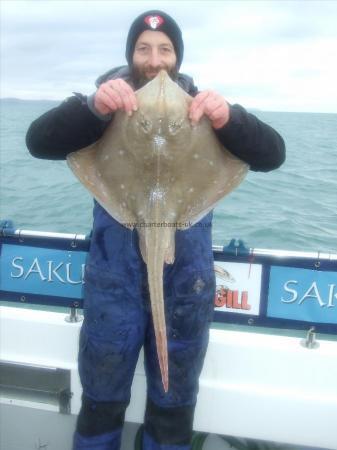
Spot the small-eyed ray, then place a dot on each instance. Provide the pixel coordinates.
(158, 173)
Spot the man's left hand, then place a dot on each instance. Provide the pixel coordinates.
(213, 105)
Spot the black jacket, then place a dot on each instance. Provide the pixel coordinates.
(72, 126)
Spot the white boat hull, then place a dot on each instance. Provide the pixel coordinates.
(253, 385)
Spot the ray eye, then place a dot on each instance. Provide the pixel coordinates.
(174, 127)
(145, 125)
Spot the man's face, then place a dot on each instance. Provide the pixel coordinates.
(153, 52)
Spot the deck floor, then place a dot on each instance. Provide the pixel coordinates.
(34, 429)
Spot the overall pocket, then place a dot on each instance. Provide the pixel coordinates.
(193, 303)
(105, 305)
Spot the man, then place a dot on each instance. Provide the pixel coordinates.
(116, 308)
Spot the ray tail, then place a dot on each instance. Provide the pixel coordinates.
(157, 243)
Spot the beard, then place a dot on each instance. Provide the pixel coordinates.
(142, 75)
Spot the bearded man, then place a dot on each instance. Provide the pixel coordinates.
(117, 316)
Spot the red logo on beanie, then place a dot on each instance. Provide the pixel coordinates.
(154, 21)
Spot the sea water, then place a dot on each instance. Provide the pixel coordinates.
(291, 208)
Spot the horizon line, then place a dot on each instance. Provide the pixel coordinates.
(248, 108)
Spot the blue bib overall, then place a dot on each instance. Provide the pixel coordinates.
(117, 323)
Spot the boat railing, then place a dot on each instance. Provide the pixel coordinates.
(254, 286)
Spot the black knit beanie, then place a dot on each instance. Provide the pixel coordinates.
(157, 21)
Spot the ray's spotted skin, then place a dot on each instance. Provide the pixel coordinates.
(156, 171)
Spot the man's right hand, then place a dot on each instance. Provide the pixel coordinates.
(113, 95)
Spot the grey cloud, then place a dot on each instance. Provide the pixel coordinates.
(51, 48)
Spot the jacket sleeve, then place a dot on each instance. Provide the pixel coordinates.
(64, 129)
(251, 140)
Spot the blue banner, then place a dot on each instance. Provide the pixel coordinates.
(302, 294)
(42, 271)
(264, 290)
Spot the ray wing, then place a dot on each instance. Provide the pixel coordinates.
(105, 170)
(211, 172)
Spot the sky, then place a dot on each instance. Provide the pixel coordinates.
(274, 55)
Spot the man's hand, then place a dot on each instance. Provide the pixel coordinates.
(113, 95)
(213, 105)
